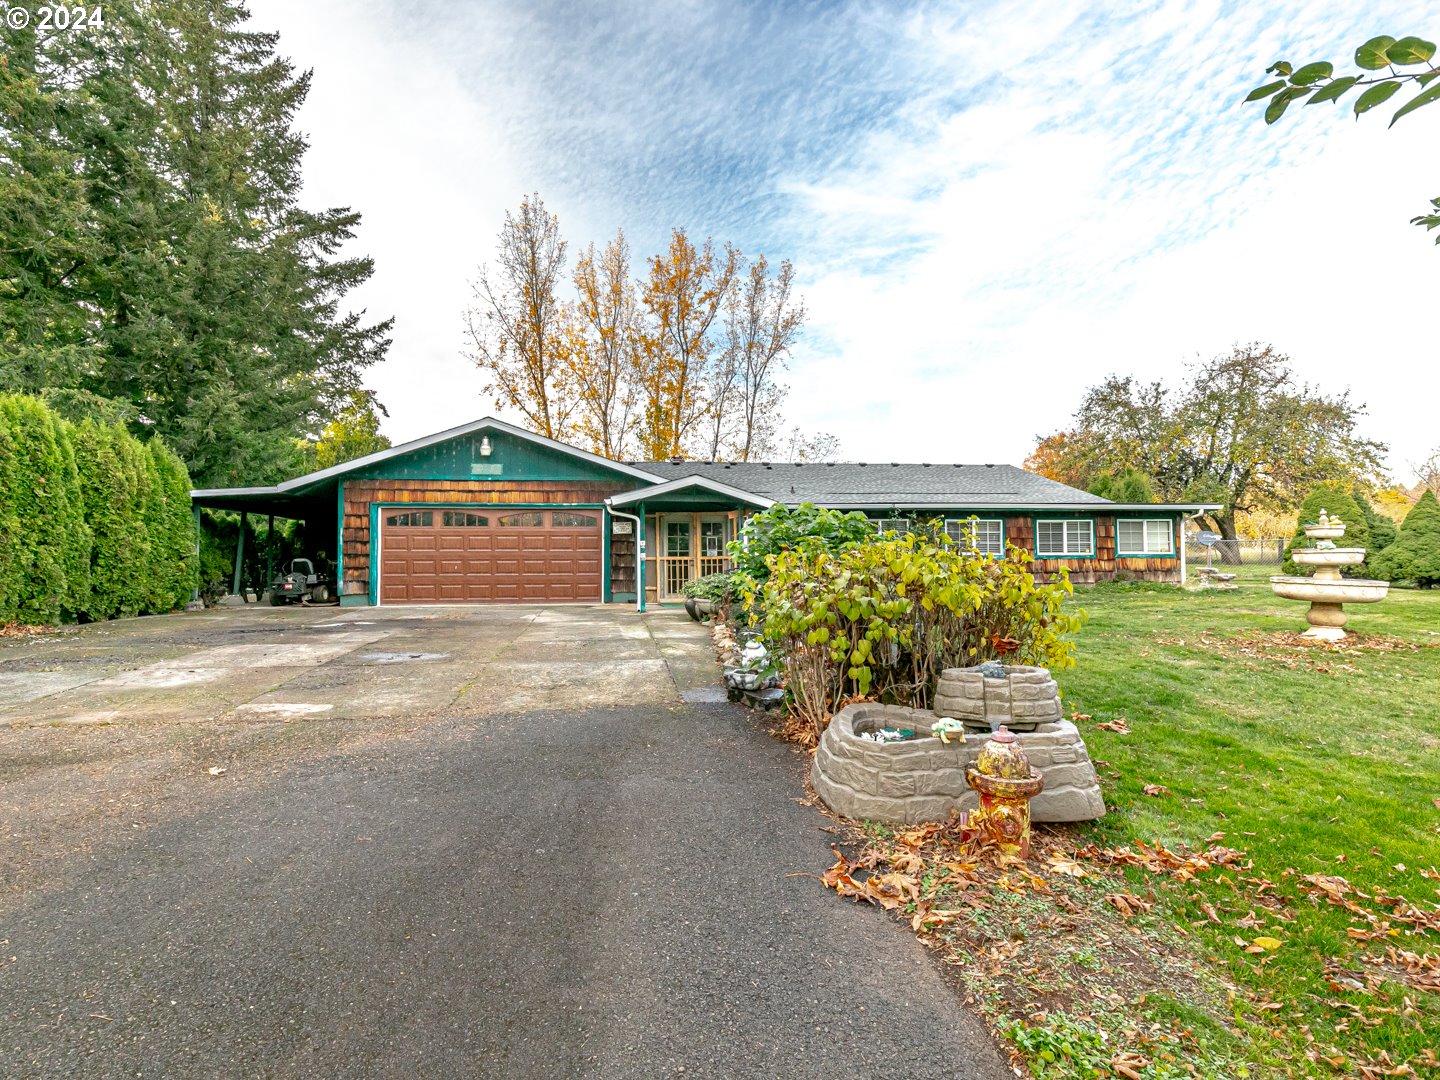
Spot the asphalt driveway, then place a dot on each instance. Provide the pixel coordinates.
(509, 846)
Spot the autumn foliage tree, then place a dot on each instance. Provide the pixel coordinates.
(686, 361)
(684, 295)
(517, 324)
(1241, 432)
(606, 349)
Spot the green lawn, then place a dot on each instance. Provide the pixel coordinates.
(1312, 761)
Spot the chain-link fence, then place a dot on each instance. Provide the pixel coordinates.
(1237, 552)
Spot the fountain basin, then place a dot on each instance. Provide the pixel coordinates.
(1328, 556)
(1326, 532)
(1343, 591)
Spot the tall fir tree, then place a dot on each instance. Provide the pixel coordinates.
(212, 303)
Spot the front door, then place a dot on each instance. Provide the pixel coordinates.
(676, 565)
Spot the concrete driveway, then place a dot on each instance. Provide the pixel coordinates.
(446, 842)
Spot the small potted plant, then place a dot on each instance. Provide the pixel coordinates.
(706, 595)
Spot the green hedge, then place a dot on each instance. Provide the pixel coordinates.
(94, 524)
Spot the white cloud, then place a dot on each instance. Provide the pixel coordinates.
(991, 207)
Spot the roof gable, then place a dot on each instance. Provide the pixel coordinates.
(458, 454)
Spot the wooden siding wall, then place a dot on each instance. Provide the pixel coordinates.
(1020, 531)
(359, 494)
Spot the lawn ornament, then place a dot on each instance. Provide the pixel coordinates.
(1327, 591)
(1006, 783)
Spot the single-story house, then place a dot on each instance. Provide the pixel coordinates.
(490, 512)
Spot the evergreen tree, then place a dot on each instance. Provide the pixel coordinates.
(46, 545)
(1382, 530)
(1415, 554)
(199, 292)
(1333, 499)
(1126, 486)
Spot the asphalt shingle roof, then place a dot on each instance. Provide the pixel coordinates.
(898, 485)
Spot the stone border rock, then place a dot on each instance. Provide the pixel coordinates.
(1025, 698)
(923, 780)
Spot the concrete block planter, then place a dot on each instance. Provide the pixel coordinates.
(1023, 698)
(923, 779)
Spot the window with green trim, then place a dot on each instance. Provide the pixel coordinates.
(985, 536)
(896, 525)
(1144, 536)
(1064, 539)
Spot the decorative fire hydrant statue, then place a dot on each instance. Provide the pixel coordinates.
(1006, 783)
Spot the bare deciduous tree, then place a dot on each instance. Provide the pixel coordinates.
(516, 327)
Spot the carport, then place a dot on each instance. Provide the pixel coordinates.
(314, 505)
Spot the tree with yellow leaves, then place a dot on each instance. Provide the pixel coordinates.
(517, 326)
(605, 349)
(683, 296)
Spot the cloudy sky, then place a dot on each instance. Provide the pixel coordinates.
(990, 206)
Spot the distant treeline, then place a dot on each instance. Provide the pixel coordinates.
(94, 524)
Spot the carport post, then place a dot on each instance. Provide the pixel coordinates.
(269, 550)
(195, 588)
(239, 555)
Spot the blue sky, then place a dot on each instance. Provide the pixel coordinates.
(990, 206)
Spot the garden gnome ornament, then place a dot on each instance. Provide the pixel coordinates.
(1006, 783)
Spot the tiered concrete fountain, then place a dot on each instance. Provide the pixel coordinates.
(1327, 591)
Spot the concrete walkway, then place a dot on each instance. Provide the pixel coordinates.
(508, 847)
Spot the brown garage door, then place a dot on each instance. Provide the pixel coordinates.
(488, 554)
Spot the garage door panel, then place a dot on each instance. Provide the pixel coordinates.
(489, 554)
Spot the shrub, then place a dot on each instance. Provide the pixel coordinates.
(1338, 503)
(717, 588)
(93, 523)
(46, 542)
(768, 533)
(882, 618)
(1382, 530)
(1415, 554)
(1127, 486)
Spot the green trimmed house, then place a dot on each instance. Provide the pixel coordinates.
(491, 513)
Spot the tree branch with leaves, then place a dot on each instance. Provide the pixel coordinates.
(1318, 83)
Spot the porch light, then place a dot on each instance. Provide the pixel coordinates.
(485, 447)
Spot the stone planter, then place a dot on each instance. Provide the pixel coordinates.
(1022, 699)
(698, 609)
(922, 779)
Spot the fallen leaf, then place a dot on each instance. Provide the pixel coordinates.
(1156, 789)
(1119, 725)
(1063, 864)
(1128, 904)
(216, 770)
(1268, 944)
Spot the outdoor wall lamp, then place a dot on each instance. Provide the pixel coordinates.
(485, 447)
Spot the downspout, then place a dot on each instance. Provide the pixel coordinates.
(1185, 518)
(639, 554)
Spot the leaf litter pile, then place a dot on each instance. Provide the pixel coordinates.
(1073, 956)
(1295, 652)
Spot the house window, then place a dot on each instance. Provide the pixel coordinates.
(464, 520)
(712, 538)
(414, 520)
(1147, 536)
(988, 533)
(530, 519)
(1064, 539)
(898, 525)
(677, 539)
(562, 519)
